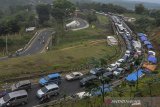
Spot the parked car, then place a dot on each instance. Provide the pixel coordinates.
(97, 71)
(119, 62)
(112, 67)
(74, 75)
(125, 57)
(98, 91)
(108, 75)
(48, 90)
(87, 80)
(14, 98)
(21, 85)
(118, 71)
(51, 78)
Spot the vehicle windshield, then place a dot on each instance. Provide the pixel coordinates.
(46, 78)
(72, 75)
(6, 97)
(17, 85)
(44, 89)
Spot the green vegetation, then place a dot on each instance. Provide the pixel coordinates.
(57, 60)
(104, 7)
(15, 42)
(75, 37)
(103, 19)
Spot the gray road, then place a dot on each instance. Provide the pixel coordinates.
(66, 88)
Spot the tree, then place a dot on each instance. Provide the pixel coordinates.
(61, 9)
(43, 12)
(140, 9)
(91, 18)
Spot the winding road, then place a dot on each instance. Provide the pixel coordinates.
(36, 46)
(41, 40)
(67, 88)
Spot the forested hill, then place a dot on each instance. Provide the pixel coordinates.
(4, 4)
(125, 3)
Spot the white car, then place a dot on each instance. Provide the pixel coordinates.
(83, 94)
(112, 67)
(152, 53)
(128, 53)
(73, 76)
(119, 62)
(118, 71)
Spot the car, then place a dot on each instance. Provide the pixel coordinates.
(108, 75)
(125, 57)
(51, 78)
(118, 71)
(48, 90)
(127, 53)
(119, 62)
(83, 94)
(87, 80)
(74, 75)
(97, 71)
(112, 67)
(21, 85)
(151, 53)
(98, 91)
(14, 98)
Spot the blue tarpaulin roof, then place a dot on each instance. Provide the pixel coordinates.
(149, 46)
(143, 38)
(152, 59)
(147, 43)
(133, 76)
(141, 34)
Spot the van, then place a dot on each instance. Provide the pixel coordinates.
(48, 90)
(21, 85)
(14, 98)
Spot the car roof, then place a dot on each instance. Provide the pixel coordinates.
(107, 73)
(75, 73)
(24, 82)
(51, 86)
(18, 93)
(89, 77)
(54, 75)
(113, 64)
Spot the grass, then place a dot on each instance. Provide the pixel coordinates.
(72, 38)
(137, 16)
(74, 52)
(103, 19)
(62, 59)
(15, 42)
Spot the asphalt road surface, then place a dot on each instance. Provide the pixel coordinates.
(66, 88)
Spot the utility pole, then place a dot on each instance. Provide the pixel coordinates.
(7, 44)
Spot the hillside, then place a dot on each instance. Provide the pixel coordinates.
(125, 3)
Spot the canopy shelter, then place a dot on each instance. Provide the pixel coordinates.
(152, 59)
(147, 43)
(149, 66)
(133, 76)
(143, 38)
(149, 47)
(141, 34)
